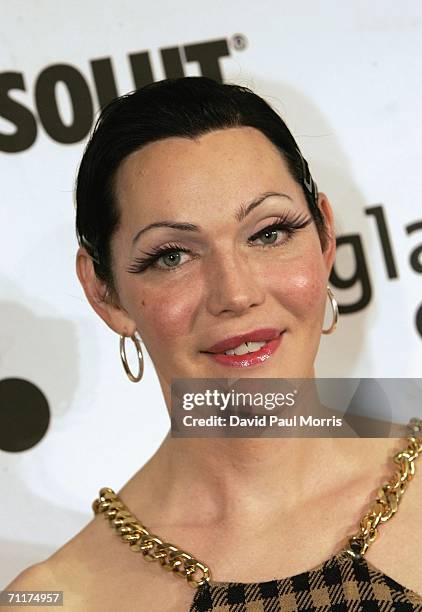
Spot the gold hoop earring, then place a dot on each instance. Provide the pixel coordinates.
(137, 341)
(334, 307)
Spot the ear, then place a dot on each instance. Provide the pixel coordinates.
(96, 290)
(329, 252)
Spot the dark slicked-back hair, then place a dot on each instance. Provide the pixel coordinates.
(186, 107)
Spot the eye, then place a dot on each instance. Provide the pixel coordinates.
(170, 259)
(282, 224)
(169, 255)
(268, 235)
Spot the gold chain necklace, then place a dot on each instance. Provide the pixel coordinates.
(184, 565)
(390, 494)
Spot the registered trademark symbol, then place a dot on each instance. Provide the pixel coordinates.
(239, 42)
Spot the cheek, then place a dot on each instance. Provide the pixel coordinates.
(166, 315)
(300, 287)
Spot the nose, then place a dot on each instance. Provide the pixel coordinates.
(233, 286)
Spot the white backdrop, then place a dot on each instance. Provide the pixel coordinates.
(345, 77)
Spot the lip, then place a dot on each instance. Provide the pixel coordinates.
(249, 359)
(257, 335)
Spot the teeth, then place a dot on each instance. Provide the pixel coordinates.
(246, 347)
(255, 346)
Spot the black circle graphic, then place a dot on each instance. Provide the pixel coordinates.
(419, 320)
(24, 414)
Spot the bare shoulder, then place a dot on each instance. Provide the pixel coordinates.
(97, 571)
(46, 576)
(34, 577)
(67, 569)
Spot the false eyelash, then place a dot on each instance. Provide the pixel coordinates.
(287, 223)
(142, 263)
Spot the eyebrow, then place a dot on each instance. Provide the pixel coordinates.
(240, 214)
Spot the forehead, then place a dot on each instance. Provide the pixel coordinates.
(223, 167)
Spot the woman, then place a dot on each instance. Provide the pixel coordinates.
(199, 223)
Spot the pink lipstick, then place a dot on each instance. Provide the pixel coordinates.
(272, 338)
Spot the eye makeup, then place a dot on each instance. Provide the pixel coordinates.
(288, 223)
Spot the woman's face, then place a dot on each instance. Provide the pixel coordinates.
(224, 276)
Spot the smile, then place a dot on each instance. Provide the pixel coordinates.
(248, 353)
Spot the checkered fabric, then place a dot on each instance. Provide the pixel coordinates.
(340, 584)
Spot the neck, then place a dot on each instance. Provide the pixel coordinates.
(239, 480)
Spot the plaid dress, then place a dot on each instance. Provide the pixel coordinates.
(339, 584)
